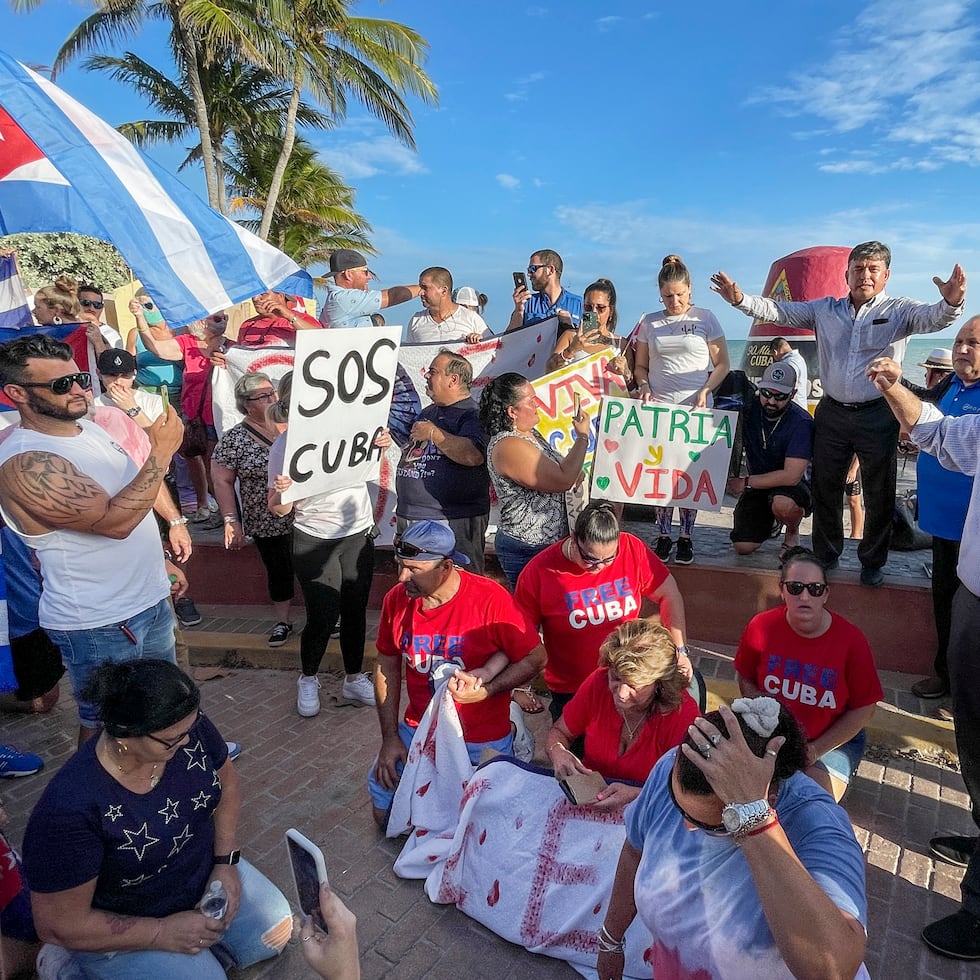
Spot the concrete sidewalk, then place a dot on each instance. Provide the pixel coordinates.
(310, 774)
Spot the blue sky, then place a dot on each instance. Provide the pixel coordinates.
(732, 136)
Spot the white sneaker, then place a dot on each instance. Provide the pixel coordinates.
(308, 695)
(523, 739)
(359, 689)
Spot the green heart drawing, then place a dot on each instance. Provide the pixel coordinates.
(694, 457)
(602, 482)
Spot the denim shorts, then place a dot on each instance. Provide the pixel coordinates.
(149, 633)
(843, 761)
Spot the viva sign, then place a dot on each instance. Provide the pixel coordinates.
(662, 454)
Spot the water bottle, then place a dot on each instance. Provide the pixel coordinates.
(215, 902)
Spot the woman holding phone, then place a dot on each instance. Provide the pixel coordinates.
(529, 476)
(681, 358)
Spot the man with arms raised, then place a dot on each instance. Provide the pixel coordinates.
(778, 445)
(439, 616)
(852, 417)
(442, 475)
(70, 492)
(349, 302)
(549, 297)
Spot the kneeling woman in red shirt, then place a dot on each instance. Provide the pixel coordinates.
(631, 710)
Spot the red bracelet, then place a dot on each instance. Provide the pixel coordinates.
(761, 830)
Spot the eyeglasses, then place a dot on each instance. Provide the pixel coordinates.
(595, 308)
(170, 743)
(95, 304)
(712, 830)
(592, 561)
(148, 305)
(218, 317)
(62, 385)
(816, 589)
(774, 396)
(264, 397)
(531, 269)
(405, 550)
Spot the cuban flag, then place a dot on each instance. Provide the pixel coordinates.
(15, 314)
(62, 168)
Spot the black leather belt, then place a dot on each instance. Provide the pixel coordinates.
(854, 406)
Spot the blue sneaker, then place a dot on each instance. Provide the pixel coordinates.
(234, 750)
(14, 763)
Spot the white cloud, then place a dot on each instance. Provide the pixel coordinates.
(508, 181)
(371, 157)
(520, 93)
(902, 73)
(608, 23)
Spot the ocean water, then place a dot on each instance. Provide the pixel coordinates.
(917, 351)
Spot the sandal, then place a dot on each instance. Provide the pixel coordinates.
(527, 700)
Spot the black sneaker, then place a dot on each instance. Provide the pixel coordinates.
(956, 850)
(957, 936)
(280, 633)
(663, 547)
(685, 552)
(186, 611)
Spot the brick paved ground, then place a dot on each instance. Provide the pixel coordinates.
(309, 773)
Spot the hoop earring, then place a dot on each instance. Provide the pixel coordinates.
(57, 321)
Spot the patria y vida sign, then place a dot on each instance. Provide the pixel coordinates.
(663, 455)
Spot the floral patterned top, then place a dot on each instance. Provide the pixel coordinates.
(241, 452)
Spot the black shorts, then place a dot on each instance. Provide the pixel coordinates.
(753, 520)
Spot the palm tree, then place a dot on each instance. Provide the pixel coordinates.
(334, 55)
(242, 102)
(314, 214)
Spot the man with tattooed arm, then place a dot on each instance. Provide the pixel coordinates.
(73, 495)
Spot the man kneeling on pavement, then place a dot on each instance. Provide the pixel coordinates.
(440, 614)
(778, 447)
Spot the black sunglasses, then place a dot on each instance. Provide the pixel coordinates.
(148, 306)
(96, 304)
(405, 550)
(169, 743)
(592, 561)
(774, 396)
(62, 385)
(712, 830)
(815, 589)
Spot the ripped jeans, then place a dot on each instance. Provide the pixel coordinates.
(257, 933)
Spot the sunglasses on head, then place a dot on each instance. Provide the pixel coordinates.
(95, 304)
(62, 385)
(816, 589)
(775, 396)
(405, 550)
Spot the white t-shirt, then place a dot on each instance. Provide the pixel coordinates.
(333, 515)
(422, 329)
(680, 361)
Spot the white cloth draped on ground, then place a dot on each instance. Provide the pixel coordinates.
(529, 865)
(431, 788)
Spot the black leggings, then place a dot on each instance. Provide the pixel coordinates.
(335, 576)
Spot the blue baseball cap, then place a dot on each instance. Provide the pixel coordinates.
(429, 541)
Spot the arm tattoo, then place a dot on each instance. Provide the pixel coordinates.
(120, 924)
(51, 487)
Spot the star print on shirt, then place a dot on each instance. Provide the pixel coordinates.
(169, 812)
(201, 800)
(138, 841)
(216, 782)
(130, 882)
(196, 756)
(180, 840)
(114, 812)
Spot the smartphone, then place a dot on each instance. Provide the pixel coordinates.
(576, 405)
(520, 281)
(309, 872)
(165, 395)
(590, 324)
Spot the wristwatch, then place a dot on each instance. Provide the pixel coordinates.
(739, 818)
(233, 858)
(133, 412)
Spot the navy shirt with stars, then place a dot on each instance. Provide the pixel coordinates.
(151, 852)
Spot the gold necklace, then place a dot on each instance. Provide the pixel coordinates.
(634, 729)
(153, 778)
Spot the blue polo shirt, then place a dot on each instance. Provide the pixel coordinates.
(944, 495)
(349, 307)
(539, 307)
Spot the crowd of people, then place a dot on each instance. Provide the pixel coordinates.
(591, 607)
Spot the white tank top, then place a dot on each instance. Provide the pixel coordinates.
(91, 580)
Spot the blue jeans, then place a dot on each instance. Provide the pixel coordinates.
(381, 797)
(262, 908)
(513, 554)
(149, 633)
